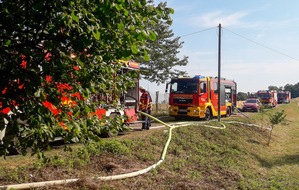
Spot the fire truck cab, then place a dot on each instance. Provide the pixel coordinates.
(197, 97)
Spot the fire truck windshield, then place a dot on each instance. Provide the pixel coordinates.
(282, 95)
(264, 96)
(184, 86)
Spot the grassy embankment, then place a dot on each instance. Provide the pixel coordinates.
(198, 158)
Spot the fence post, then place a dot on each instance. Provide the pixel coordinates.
(157, 100)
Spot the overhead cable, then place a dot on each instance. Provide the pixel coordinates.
(262, 45)
(197, 32)
(274, 50)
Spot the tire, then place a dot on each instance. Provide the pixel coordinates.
(208, 115)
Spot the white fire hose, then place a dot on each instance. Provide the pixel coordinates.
(127, 175)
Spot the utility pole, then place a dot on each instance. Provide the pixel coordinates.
(219, 72)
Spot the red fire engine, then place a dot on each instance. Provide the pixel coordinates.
(268, 97)
(197, 97)
(129, 100)
(284, 97)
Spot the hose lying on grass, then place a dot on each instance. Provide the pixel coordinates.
(121, 176)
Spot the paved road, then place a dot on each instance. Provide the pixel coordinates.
(172, 121)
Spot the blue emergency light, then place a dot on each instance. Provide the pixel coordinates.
(198, 77)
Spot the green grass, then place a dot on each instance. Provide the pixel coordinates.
(197, 158)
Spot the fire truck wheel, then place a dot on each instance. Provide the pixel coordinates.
(208, 114)
(228, 112)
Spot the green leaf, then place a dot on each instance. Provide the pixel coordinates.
(134, 49)
(152, 36)
(171, 10)
(96, 35)
(126, 12)
(132, 27)
(146, 57)
(121, 26)
(144, 33)
(117, 7)
(7, 42)
(87, 109)
(74, 17)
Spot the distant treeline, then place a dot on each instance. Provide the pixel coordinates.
(293, 88)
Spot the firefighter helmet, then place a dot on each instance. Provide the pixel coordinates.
(142, 88)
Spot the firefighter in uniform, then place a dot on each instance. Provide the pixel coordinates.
(145, 106)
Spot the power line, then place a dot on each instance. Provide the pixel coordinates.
(274, 50)
(197, 32)
(264, 46)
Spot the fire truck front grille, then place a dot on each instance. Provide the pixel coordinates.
(182, 101)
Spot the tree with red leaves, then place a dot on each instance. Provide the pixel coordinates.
(37, 39)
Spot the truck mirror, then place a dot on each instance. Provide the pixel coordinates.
(204, 90)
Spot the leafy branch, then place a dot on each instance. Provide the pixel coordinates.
(275, 119)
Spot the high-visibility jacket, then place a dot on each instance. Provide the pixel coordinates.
(145, 101)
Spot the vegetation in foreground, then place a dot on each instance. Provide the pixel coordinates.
(197, 158)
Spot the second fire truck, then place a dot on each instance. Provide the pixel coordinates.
(268, 97)
(197, 97)
(284, 97)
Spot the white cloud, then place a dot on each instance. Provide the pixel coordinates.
(214, 18)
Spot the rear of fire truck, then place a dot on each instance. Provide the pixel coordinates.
(126, 103)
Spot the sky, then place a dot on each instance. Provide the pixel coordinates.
(259, 41)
